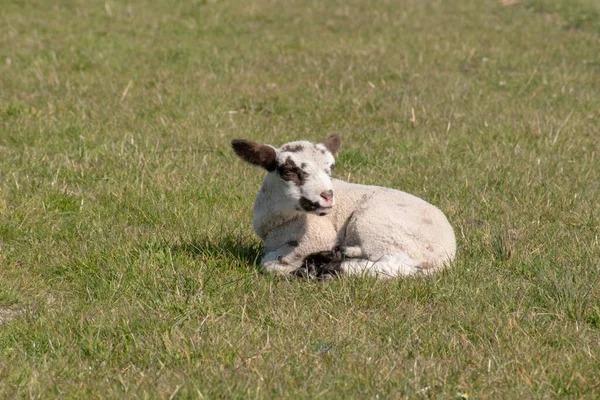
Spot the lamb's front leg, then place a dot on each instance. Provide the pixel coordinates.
(282, 261)
(319, 265)
(302, 260)
(290, 249)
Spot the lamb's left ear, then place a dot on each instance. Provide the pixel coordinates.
(333, 143)
(255, 153)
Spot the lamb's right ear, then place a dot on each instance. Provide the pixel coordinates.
(255, 153)
(333, 143)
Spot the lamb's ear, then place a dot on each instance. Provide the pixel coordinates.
(255, 153)
(333, 143)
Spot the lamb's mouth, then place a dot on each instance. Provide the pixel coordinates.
(314, 206)
(321, 211)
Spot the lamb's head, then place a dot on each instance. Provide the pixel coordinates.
(299, 175)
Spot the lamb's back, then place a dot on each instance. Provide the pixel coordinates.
(412, 216)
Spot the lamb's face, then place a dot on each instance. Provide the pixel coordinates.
(299, 176)
(304, 176)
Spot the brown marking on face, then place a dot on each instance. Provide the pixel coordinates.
(289, 171)
(330, 170)
(255, 153)
(427, 221)
(308, 205)
(333, 143)
(429, 248)
(292, 148)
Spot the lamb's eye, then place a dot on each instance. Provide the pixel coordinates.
(332, 167)
(288, 174)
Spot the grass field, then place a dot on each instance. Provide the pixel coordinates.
(128, 266)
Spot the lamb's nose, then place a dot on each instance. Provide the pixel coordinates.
(327, 196)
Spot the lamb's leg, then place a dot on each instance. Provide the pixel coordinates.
(371, 246)
(274, 263)
(303, 260)
(305, 244)
(355, 263)
(388, 266)
(351, 252)
(321, 267)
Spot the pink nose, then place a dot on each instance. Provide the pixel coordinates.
(327, 196)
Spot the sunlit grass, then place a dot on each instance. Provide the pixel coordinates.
(128, 266)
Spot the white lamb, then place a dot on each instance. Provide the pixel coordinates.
(362, 230)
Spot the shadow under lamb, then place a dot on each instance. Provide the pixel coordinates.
(316, 226)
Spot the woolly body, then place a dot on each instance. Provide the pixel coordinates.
(381, 231)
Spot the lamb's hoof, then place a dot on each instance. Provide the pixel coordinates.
(305, 272)
(337, 252)
(321, 265)
(330, 270)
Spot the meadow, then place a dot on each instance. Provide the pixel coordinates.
(128, 265)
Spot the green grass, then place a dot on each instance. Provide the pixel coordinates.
(128, 266)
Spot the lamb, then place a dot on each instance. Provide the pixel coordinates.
(312, 224)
